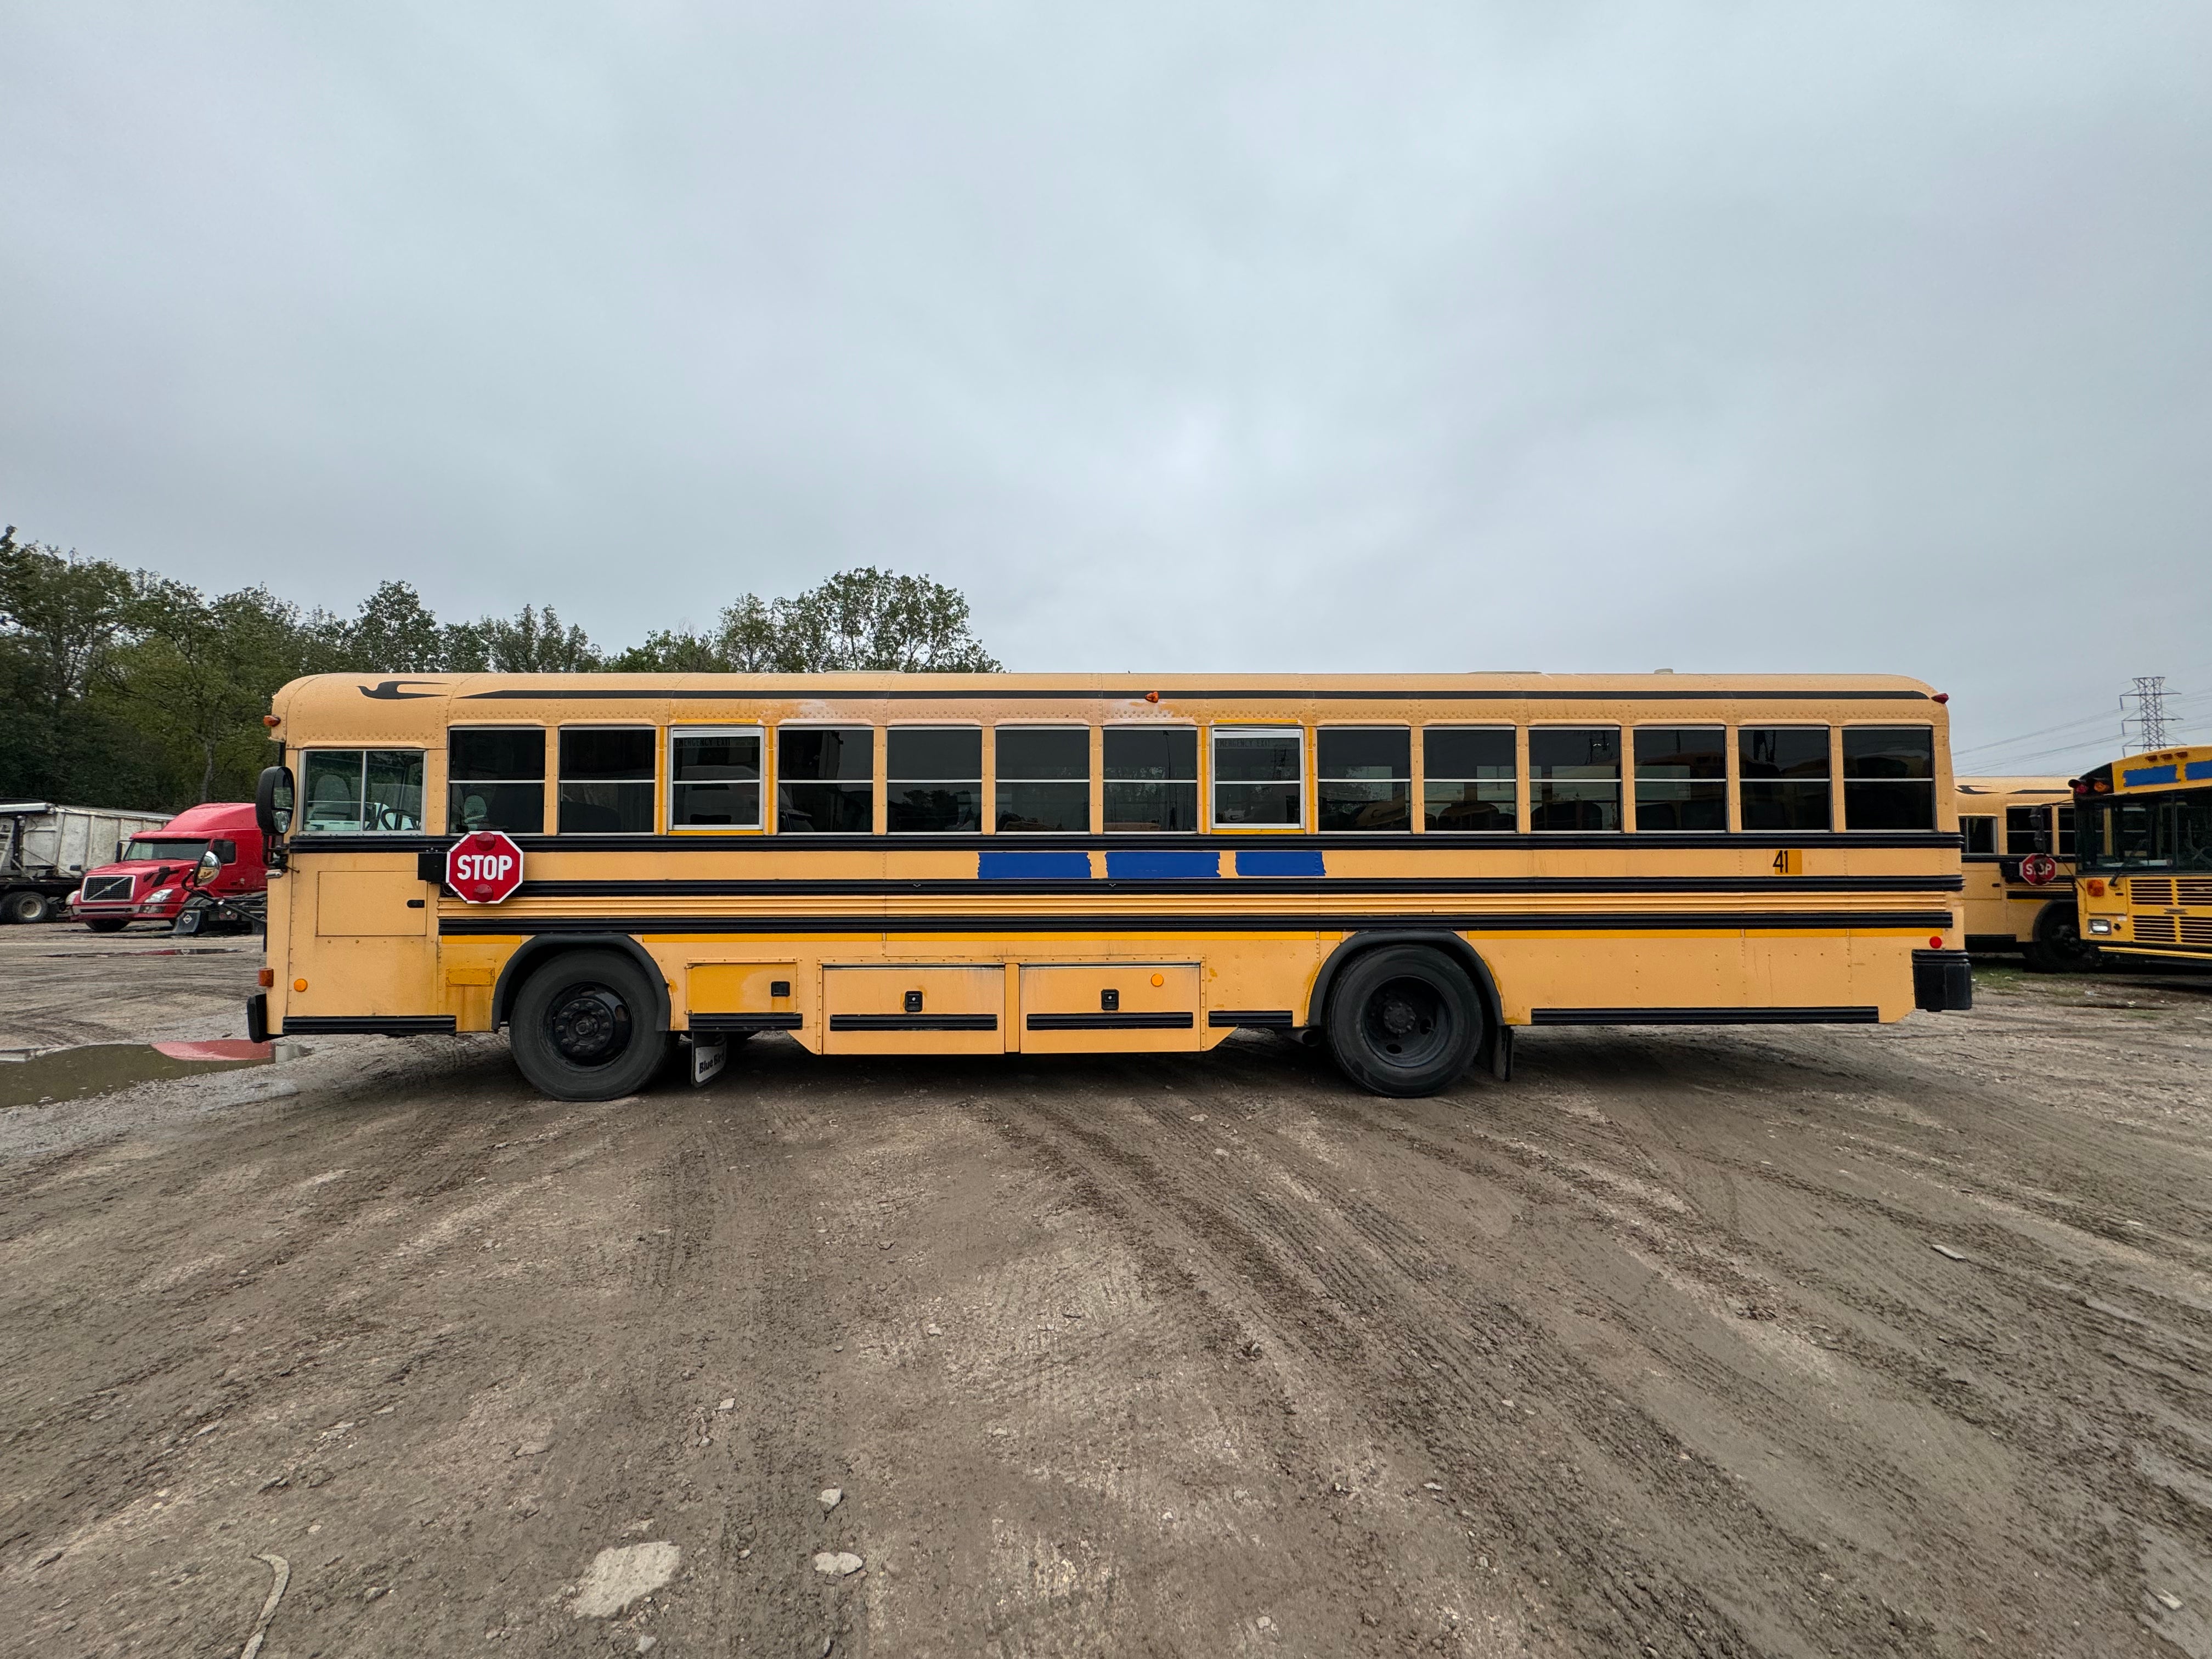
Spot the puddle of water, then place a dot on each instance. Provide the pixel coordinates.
(98, 1067)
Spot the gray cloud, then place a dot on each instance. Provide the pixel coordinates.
(1245, 336)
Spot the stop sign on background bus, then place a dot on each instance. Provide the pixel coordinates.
(2038, 869)
(485, 867)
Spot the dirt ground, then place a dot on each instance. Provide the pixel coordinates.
(1865, 1340)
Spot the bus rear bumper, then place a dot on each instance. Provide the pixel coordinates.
(1943, 981)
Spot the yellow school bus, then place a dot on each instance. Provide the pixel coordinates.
(2143, 853)
(2018, 839)
(1403, 869)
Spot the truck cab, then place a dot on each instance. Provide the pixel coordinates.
(153, 876)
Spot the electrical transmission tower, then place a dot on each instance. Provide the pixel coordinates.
(2149, 719)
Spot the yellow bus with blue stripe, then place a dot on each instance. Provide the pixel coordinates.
(2143, 855)
(1405, 870)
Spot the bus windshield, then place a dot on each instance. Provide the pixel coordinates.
(2155, 832)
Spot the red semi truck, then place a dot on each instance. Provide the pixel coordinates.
(155, 876)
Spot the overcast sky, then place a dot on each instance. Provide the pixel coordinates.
(1781, 338)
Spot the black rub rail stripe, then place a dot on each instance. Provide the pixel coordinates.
(972, 887)
(1431, 842)
(1819, 922)
(712, 1023)
(1111, 1021)
(1080, 694)
(1257, 1019)
(370, 1024)
(1704, 1016)
(914, 1022)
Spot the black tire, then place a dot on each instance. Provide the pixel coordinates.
(2058, 946)
(587, 1026)
(108, 925)
(27, 905)
(1403, 1021)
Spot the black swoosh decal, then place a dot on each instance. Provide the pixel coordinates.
(389, 691)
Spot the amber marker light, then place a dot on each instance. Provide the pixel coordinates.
(1159, 978)
(267, 977)
(1152, 696)
(271, 720)
(299, 985)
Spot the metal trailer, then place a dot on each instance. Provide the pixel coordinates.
(45, 850)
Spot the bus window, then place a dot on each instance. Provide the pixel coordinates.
(935, 777)
(715, 777)
(495, 780)
(1043, 782)
(1681, 777)
(1151, 778)
(1366, 777)
(1783, 776)
(2065, 831)
(1468, 778)
(1980, 833)
(1258, 777)
(825, 780)
(606, 779)
(1574, 777)
(2025, 830)
(1889, 777)
(362, 791)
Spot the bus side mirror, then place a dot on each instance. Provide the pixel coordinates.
(210, 867)
(272, 803)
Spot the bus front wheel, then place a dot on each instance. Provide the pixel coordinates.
(1404, 1022)
(586, 1026)
(2058, 946)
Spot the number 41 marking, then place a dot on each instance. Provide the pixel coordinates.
(1789, 863)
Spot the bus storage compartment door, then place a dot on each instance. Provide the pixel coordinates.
(1943, 981)
(1110, 1006)
(363, 903)
(744, 996)
(900, 1010)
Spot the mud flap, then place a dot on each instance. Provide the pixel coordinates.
(256, 1017)
(708, 1057)
(1943, 981)
(1501, 1054)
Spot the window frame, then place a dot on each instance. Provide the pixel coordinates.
(1519, 746)
(654, 807)
(772, 811)
(1210, 761)
(360, 783)
(764, 783)
(1410, 780)
(1740, 781)
(1196, 781)
(1966, 837)
(1622, 780)
(1092, 780)
(1840, 760)
(1631, 805)
(983, 759)
(547, 765)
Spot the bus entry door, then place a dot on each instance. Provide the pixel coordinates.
(372, 951)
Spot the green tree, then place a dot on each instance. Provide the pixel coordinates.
(531, 641)
(198, 675)
(60, 619)
(393, 633)
(864, 618)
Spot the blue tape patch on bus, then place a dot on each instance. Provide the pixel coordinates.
(2147, 774)
(1033, 866)
(1281, 864)
(1163, 866)
(2196, 769)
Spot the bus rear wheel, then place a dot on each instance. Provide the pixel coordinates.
(2058, 946)
(1404, 1022)
(586, 1026)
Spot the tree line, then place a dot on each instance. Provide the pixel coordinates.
(126, 687)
